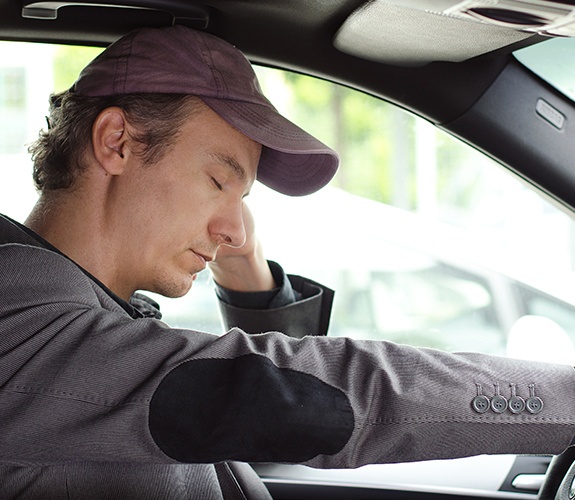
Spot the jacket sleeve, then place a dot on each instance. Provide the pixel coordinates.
(308, 315)
(82, 381)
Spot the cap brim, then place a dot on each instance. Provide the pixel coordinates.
(293, 162)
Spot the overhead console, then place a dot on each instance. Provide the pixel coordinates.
(552, 18)
(416, 32)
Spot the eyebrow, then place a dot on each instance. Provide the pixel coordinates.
(233, 165)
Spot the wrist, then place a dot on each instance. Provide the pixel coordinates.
(244, 273)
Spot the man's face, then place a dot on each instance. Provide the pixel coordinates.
(187, 205)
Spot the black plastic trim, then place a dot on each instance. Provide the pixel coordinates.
(284, 490)
(191, 13)
(505, 124)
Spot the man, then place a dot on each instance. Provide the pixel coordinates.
(100, 399)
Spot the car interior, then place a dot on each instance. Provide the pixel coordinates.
(450, 222)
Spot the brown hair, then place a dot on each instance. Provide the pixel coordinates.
(58, 154)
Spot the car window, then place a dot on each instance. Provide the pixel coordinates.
(425, 240)
(552, 61)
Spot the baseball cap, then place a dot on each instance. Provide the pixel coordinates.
(181, 60)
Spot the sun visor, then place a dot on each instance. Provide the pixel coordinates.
(417, 32)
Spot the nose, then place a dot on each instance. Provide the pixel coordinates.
(228, 228)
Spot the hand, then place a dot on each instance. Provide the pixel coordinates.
(244, 268)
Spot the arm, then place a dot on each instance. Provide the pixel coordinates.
(243, 269)
(82, 381)
(257, 296)
(308, 315)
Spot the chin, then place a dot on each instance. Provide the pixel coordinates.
(174, 289)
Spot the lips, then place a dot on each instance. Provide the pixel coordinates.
(204, 259)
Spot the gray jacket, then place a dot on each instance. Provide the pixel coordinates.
(96, 404)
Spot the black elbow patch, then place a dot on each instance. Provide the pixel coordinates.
(247, 409)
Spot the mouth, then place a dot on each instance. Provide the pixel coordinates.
(204, 259)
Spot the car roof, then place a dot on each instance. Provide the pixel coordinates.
(455, 71)
(296, 34)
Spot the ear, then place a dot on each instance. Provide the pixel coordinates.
(110, 140)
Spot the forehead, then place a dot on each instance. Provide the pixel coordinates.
(222, 142)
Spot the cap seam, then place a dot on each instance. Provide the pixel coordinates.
(121, 73)
(216, 75)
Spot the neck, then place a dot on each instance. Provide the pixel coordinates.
(74, 224)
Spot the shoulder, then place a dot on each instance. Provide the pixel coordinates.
(30, 275)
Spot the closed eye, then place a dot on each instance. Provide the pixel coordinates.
(217, 184)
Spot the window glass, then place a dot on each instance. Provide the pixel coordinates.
(13, 104)
(552, 60)
(540, 304)
(425, 240)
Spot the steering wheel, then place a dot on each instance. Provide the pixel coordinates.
(558, 484)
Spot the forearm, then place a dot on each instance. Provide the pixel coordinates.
(244, 273)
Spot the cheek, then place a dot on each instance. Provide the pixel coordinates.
(175, 210)
(181, 223)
